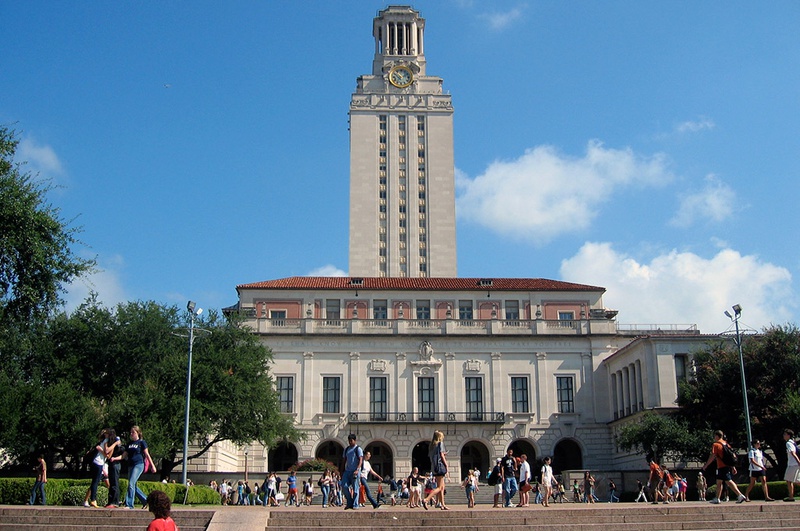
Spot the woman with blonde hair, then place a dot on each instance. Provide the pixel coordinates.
(438, 456)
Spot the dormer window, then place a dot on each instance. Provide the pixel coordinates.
(356, 281)
(485, 282)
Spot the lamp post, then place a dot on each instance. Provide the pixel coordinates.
(192, 314)
(737, 313)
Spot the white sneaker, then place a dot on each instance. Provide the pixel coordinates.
(86, 504)
(741, 498)
(715, 501)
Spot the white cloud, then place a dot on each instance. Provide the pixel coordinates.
(695, 126)
(501, 20)
(328, 270)
(41, 159)
(105, 282)
(684, 288)
(714, 202)
(544, 194)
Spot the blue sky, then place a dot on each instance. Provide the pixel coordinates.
(647, 147)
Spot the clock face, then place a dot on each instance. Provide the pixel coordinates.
(400, 76)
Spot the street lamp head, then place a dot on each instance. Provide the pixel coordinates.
(737, 309)
(728, 314)
(199, 311)
(190, 306)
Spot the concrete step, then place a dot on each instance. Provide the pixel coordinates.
(696, 516)
(80, 518)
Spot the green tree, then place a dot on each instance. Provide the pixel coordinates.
(36, 257)
(663, 436)
(98, 367)
(713, 398)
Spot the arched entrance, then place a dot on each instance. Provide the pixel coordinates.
(382, 459)
(282, 457)
(567, 456)
(330, 451)
(522, 446)
(419, 457)
(474, 455)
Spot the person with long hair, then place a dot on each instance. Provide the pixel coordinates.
(438, 457)
(137, 455)
(113, 449)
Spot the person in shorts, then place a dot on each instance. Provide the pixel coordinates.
(792, 475)
(724, 473)
(758, 470)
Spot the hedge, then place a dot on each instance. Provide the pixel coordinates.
(17, 491)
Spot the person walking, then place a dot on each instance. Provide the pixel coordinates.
(547, 481)
(758, 470)
(642, 495)
(725, 472)
(41, 480)
(137, 455)
(525, 481)
(366, 470)
(509, 474)
(114, 453)
(352, 458)
(438, 457)
(792, 475)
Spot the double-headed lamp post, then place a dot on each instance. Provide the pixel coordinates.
(737, 313)
(192, 314)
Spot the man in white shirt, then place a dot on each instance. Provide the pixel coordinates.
(366, 470)
(792, 475)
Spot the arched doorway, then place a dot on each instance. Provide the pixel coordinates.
(419, 457)
(474, 455)
(382, 460)
(522, 446)
(282, 457)
(330, 451)
(567, 456)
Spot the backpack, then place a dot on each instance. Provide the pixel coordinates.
(729, 457)
(319, 481)
(494, 476)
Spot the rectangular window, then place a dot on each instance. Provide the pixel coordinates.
(474, 392)
(379, 308)
(426, 398)
(566, 316)
(277, 314)
(423, 310)
(332, 309)
(285, 385)
(331, 392)
(519, 394)
(465, 310)
(566, 394)
(378, 406)
(512, 310)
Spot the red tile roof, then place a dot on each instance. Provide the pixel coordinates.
(420, 284)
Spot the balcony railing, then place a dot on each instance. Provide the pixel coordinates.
(403, 417)
(486, 327)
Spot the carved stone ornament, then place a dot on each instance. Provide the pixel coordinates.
(472, 365)
(426, 358)
(377, 365)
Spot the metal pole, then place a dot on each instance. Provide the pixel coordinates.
(744, 383)
(188, 399)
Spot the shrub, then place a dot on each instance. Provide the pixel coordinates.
(315, 465)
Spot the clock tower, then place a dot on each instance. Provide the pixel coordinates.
(402, 183)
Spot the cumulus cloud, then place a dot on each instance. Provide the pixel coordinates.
(544, 194)
(41, 159)
(106, 282)
(684, 288)
(714, 202)
(498, 21)
(328, 270)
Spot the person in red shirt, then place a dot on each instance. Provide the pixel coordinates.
(724, 473)
(655, 479)
(160, 505)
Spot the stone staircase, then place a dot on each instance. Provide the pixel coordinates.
(54, 518)
(687, 516)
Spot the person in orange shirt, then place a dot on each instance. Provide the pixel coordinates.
(654, 480)
(724, 473)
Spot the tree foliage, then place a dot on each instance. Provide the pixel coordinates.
(98, 367)
(36, 258)
(663, 436)
(713, 398)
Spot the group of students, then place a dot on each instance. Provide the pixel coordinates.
(107, 456)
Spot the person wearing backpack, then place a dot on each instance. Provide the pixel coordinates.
(495, 481)
(720, 452)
